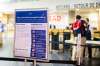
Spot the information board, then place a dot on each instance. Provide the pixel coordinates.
(31, 34)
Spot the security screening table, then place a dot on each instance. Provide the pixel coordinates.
(91, 44)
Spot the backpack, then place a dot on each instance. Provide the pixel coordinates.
(78, 27)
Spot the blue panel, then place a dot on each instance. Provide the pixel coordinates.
(31, 16)
(38, 48)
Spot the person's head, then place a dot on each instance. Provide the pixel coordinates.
(78, 17)
(67, 27)
(87, 19)
(54, 27)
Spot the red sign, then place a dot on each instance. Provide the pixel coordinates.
(55, 18)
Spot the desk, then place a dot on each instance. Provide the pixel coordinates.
(89, 44)
(93, 43)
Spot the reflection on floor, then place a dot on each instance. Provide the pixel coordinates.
(7, 51)
(92, 62)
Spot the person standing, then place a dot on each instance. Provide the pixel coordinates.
(78, 28)
(1, 33)
(88, 37)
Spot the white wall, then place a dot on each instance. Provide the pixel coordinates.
(50, 4)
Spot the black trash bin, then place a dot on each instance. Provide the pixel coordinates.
(55, 41)
(67, 36)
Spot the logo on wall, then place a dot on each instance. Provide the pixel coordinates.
(55, 18)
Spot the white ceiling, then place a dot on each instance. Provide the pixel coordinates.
(10, 1)
(5, 1)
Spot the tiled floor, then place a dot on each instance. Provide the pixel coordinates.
(7, 51)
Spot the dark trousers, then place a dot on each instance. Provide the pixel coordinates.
(89, 51)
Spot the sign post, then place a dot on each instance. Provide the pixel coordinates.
(31, 34)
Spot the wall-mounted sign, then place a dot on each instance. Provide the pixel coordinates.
(78, 5)
(31, 34)
(64, 7)
(55, 18)
(87, 5)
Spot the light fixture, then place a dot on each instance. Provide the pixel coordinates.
(77, 9)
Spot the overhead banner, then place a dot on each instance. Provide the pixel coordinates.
(31, 34)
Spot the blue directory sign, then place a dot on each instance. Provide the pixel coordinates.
(31, 34)
(31, 16)
(39, 39)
